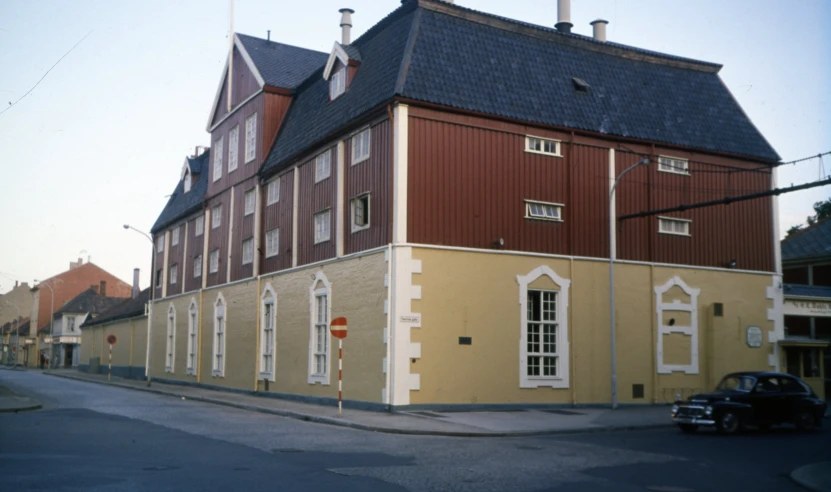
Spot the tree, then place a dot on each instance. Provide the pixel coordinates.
(822, 211)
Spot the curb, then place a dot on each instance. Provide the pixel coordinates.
(36, 405)
(812, 477)
(386, 430)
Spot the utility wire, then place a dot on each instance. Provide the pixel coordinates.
(11, 105)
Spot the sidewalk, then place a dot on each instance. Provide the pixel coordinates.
(12, 402)
(455, 424)
(816, 477)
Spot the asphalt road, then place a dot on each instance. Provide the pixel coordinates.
(94, 438)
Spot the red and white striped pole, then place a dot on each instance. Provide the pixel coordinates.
(110, 365)
(338, 329)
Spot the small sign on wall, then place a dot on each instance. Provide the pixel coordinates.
(754, 337)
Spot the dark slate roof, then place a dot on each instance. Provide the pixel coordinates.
(128, 308)
(807, 291)
(353, 52)
(88, 301)
(182, 204)
(812, 242)
(453, 56)
(11, 327)
(282, 65)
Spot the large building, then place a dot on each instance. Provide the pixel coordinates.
(443, 182)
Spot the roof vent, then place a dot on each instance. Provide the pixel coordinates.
(564, 16)
(580, 84)
(599, 28)
(346, 25)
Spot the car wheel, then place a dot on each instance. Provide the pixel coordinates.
(805, 420)
(729, 423)
(688, 428)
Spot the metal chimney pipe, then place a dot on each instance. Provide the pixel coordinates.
(599, 29)
(135, 292)
(346, 26)
(564, 16)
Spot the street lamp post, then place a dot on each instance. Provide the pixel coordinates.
(149, 359)
(51, 325)
(612, 253)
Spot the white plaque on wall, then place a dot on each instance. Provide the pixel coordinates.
(754, 337)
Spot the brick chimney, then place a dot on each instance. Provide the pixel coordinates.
(103, 289)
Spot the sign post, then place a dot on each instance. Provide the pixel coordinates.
(338, 329)
(111, 340)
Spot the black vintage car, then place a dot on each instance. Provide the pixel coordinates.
(759, 399)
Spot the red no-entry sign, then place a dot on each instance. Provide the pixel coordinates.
(111, 339)
(338, 327)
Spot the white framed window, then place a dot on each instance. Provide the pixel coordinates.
(250, 138)
(360, 212)
(543, 210)
(677, 165)
(199, 227)
(170, 344)
(174, 236)
(320, 295)
(174, 273)
(268, 343)
(218, 158)
(193, 338)
(669, 225)
(159, 278)
(539, 145)
(70, 323)
(213, 260)
(188, 181)
(197, 266)
(543, 321)
(272, 243)
(323, 166)
(160, 243)
(323, 226)
(360, 147)
(250, 201)
(248, 251)
(273, 192)
(337, 84)
(233, 148)
(216, 216)
(220, 323)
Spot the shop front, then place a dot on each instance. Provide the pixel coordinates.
(807, 312)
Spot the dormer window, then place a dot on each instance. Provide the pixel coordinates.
(337, 84)
(188, 181)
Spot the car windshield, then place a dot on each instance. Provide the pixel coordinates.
(737, 383)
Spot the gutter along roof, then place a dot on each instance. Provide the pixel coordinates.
(128, 308)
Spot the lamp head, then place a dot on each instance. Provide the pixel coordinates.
(126, 226)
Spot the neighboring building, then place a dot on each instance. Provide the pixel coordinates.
(443, 182)
(19, 298)
(11, 331)
(66, 337)
(806, 265)
(126, 320)
(65, 286)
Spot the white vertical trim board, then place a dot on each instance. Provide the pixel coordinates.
(400, 170)
(691, 331)
(612, 207)
(776, 315)
(295, 212)
(230, 237)
(402, 321)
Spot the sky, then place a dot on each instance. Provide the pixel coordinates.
(100, 142)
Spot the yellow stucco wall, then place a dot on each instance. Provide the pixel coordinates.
(130, 347)
(476, 295)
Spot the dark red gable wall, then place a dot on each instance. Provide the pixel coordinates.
(370, 176)
(279, 216)
(243, 229)
(194, 249)
(244, 84)
(316, 197)
(243, 171)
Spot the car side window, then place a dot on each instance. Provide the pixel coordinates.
(792, 386)
(768, 385)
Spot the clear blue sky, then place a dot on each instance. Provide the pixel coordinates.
(101, 141)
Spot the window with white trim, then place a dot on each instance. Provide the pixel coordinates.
(174, 236)
(250, 138)
(160, 243)
(323, 166)
(233, 148)
(267, 339)
(70, 323)
(218, 158)
(675, 165)
(250, 201)
(199, 227)
(540, 145)
(159, 278)
(320, 304)
(220, 323)
(272, 243)
(216, 216)
(360, 212)
(541, 337)
(193, 339)
(273, 192)
(543, 210)
(174, 273)
(170, 345)
(360, 147)
(322, 226)
(679, 227)
(197, 266)
(337, 84)
(248, 251)
(213, 260)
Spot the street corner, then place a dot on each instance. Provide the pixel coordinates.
(816, 476)
(11, 402)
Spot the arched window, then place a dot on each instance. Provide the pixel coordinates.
(170, 345)
(220, 322)
(268, 332)
(320, 300)
(193, 341)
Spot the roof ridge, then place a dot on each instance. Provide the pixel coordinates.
(278, 43)
(802, 231)
(404, 68)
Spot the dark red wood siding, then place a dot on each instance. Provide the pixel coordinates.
(194, 249)
(243, 229)
(275, 108)
(314, 198)
(243, 171)
(370, 176)
(244, 84)
(218, 238)
(278, 216)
